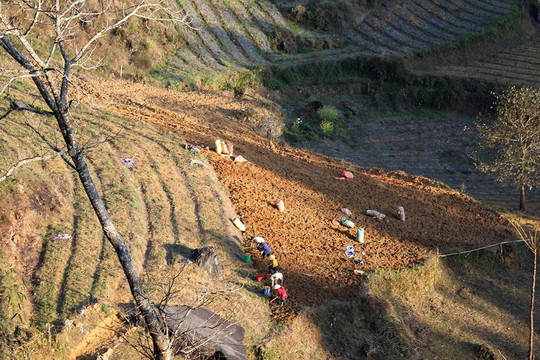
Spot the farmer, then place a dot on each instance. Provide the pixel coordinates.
(282, 292)
(277, 278)
(262, 246)
(274, 267)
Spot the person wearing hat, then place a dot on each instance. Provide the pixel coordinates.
(262, 246)
(282, 292)
(277, 278)
(274, 267)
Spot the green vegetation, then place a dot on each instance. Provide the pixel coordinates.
(269, 354)
(511, 23)
(328, 116)
(389, 83)
(326, 15)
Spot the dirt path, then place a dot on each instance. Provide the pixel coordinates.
(309, 248)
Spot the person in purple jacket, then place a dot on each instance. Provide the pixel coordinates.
(263, 247)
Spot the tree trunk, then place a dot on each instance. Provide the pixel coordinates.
(156, 327)
(522, 197)
(531, 324)
(57, 100)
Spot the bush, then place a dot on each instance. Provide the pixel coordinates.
(327, 128)
(239, 82)
(328, 114)
(269, 354)
(327, 15)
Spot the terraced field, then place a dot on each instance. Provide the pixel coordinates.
(434, 145)
(164, 207)
(412, 26)
(238, 33)
(515, 65)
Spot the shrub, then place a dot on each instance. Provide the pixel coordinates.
(241, 81)
(328, 114)
(441, 185)
(327, 128)
(269, 354)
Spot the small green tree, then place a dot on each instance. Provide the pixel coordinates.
(514, 134)
(328, 115)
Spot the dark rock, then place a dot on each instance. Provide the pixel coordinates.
(352, 108)
(208, 259)
(313, 106)
(213, 336)
(486, 353)
(310, 109)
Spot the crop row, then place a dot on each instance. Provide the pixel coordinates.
(163, 208)
(519, 65)
(236, 33)
(421, 25)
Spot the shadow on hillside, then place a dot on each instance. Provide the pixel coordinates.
(175, 252)
(229, 243)
(441, 323)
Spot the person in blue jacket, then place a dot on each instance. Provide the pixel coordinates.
(263, 247)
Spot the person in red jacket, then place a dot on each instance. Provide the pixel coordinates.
(282, 292)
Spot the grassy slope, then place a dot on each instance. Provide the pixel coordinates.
(164, 208)
(230, 35)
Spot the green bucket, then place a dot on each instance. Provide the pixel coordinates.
(247, 258)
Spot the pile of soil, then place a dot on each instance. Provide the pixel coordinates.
(309, 248)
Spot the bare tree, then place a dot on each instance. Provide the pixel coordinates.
(69, 33)
(533, 243)
(514, 134)
(193, 330)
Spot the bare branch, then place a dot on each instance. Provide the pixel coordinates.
(36, 17)
(21, 76)
(6, 114)
(28, 160)
(54, 148)
(98, 140)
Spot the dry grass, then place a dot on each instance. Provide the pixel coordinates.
(448, 308)
(164, 208)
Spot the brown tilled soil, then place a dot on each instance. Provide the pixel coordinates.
(310, 249)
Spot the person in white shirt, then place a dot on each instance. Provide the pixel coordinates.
(277, 279)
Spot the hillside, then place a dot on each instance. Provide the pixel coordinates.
(54, 258)
(319, 277)
(171, 208)
(303, 237)
(227, 35)
(62, 293)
